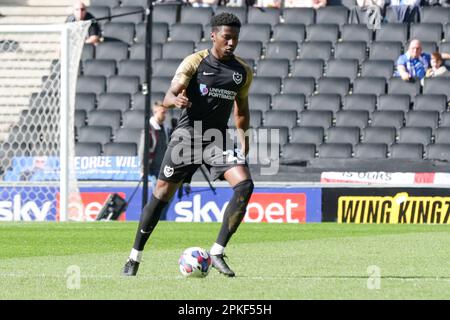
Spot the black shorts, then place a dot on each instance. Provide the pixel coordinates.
(182, 159)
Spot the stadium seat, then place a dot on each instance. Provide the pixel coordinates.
(438, 151)
(351, 50)
(114, 101)
(99, 134)
(415, 135)
(369, 85)
(273, 68)
(119, 31)
(370, 151)
(345, 68)
(114, 50)
(429, 46)
(393, 102)
(385, 135)
(299, 85)
(437, 86)
(104, 118)
(409, 151)
(316, 50)
(138, 100)
(186, 32)
(435, 14)
(137, 51)
(316, 118)
(88, 149)
(123, 84)
(80, 118)
(431, 102)
(119, 149)
(160, 84)
(165, 67)
(85, 101)
(133, 119)
(160, 32)
(280, 118)
(442, 135)
(310, 135)
(240, 12)
(256, 118)
(447, 32)
(377, 68)
(165, 13)
(356, 32)
(282, 50)
(322, 32)
(352, 118)
(392, 32)
(389, 118)
(203, 45)
(305, 16)
(135, 18)
(131, 135)
(335, 150)
(136, 3)
(270, 85)
(289, 32)
(100, 12)
(357, 101)
(294, 153)
(308, 68)
(260, 101)
(426, 32)
(132, 68)
(249, 50)
(335, 85)
(177, 49)
(384, 50)
(200, 15)
(255, 32)
(91, 84)
(332, 14)
(325, 101)
(429, 119)
(342, 135)
(105, 3)
(267, 134)
(268, 15)
(445, 119)
(288, 101)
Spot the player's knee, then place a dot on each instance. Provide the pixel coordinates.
(244, 190)
(164, 190)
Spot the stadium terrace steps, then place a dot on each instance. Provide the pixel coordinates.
(39, 2)
(31, 19)
(35, 11)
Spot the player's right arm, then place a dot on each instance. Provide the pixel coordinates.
(176, 97)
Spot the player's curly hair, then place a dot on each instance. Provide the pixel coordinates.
(225, 19)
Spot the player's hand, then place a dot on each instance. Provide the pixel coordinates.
(182, 101)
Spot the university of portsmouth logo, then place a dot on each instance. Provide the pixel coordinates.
(168, 171)
(237, 77)
(203, 89)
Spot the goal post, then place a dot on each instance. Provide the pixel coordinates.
(38, 74)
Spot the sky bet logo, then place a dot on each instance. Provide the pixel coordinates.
(28, 211)
(263, 207)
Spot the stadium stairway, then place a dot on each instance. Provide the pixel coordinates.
(23, 80)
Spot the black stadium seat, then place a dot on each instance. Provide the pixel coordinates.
(135, 18)
(85, 101)
(332, 14)
(268, 15)
(393, 102)
(128, 135)
(120, 149)
(282, 50)
(346, 68)
(316, 50)
(114, 101)
(308, 68)
(369, 85)
(186, 32)
(132, 68)
(437, 86)
(383, 50)
(273, 68)
(389, 118)
(288, 101)
(333, 85)
(255, 32)
(357, 101)
(107, 3)
(342, 135)
(270, 85)
(91, 84)
(316, 118)
(415, 135)
(352, 118)
(160, 32)
(115, 50)
(240, 12)
(396, 32)
(351, 50)
(88, 149)
(289, 32)
(432, 102)
(200, 15)
(299, 85)
(165, 67)
(435, 14)
(119, 31)
(429, 119)
(100, 134)
(325, 101)
(165, 13)
(356, 32)
(133, 119)
(322, 32)
(293, 153)
(377, 68)
(426, 32)
(249, 50)
(410, 151)
(280, 118)
(305, 16)
(259, 101)
(123, 84)
(438, 151)
(370, 151)
(109, 118)
(442, 135)
(177, 49)
(335, 150)
(385, 135)
(313, 135)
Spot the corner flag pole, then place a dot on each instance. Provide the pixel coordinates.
(146, 90)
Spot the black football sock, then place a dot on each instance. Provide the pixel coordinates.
(148, 221)
(235, 211)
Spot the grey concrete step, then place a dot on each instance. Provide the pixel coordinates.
(32, 20)
(35, 10)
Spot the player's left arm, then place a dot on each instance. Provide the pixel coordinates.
(242, 120)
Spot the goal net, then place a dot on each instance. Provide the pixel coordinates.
(38, 74)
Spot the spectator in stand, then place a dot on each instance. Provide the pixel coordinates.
(437, 67)
(315, 4)
(400, 11)
(203, 3)
(414, 63)
(80, 13)
(370, 12)
(268, 3)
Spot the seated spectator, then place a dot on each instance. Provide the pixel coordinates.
(413, 64)
(400, 11)
(80, 14)
(316, 4)
(203, 3)
(268, 3)
(437, 67)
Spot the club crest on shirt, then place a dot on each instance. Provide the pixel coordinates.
(203, 89)
(168, 171)
(237, 77)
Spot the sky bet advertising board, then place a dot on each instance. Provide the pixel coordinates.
(267, 205)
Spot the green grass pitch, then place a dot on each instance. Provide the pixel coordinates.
(272, 261)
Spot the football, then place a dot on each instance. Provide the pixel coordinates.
(195, 262)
